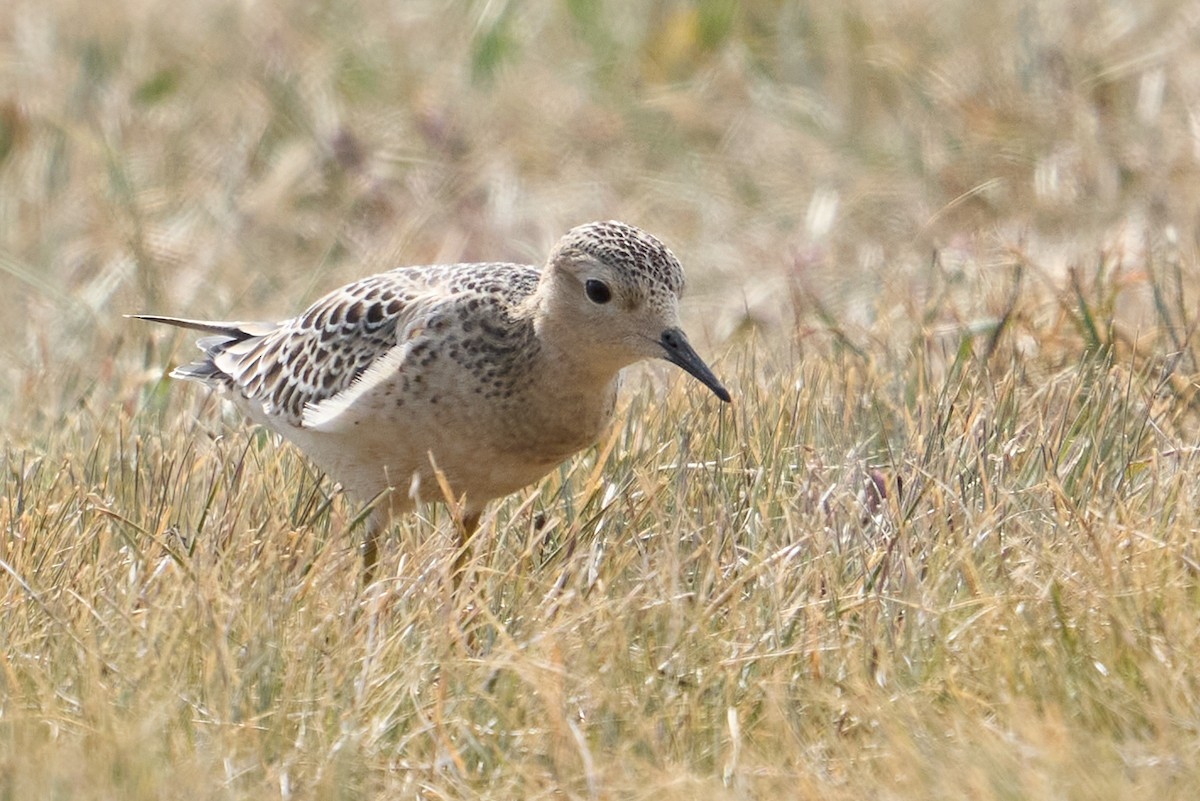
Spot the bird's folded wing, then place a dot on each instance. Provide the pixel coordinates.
(324, 352)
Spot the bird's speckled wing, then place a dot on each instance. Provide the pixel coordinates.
(292, 368)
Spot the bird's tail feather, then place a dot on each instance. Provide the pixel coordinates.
(222, 335)
(234, 330)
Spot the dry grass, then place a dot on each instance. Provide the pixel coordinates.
(943, 545)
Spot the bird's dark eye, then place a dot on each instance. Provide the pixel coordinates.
(597, 291)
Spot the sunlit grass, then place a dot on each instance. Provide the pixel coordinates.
(942, 545)
(734, 607)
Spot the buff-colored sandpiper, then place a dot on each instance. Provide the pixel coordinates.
(491, 374)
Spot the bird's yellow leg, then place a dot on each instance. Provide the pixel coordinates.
(370, 549)
(466, 532)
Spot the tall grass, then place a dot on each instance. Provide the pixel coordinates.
(942, 545)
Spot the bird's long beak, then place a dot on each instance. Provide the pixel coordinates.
(677, 350)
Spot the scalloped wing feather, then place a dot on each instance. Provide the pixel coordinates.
(312, 370)
(324, 351)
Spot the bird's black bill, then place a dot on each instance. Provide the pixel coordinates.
(677, 350)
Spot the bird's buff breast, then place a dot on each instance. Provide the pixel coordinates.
(506, 446)
(518, 445)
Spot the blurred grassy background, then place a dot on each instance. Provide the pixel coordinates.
(948, 242)
(238, 158)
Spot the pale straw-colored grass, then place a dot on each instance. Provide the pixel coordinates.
(942, 545)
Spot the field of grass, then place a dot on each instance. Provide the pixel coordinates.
(944, 544)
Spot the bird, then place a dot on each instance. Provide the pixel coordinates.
(455, 382)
